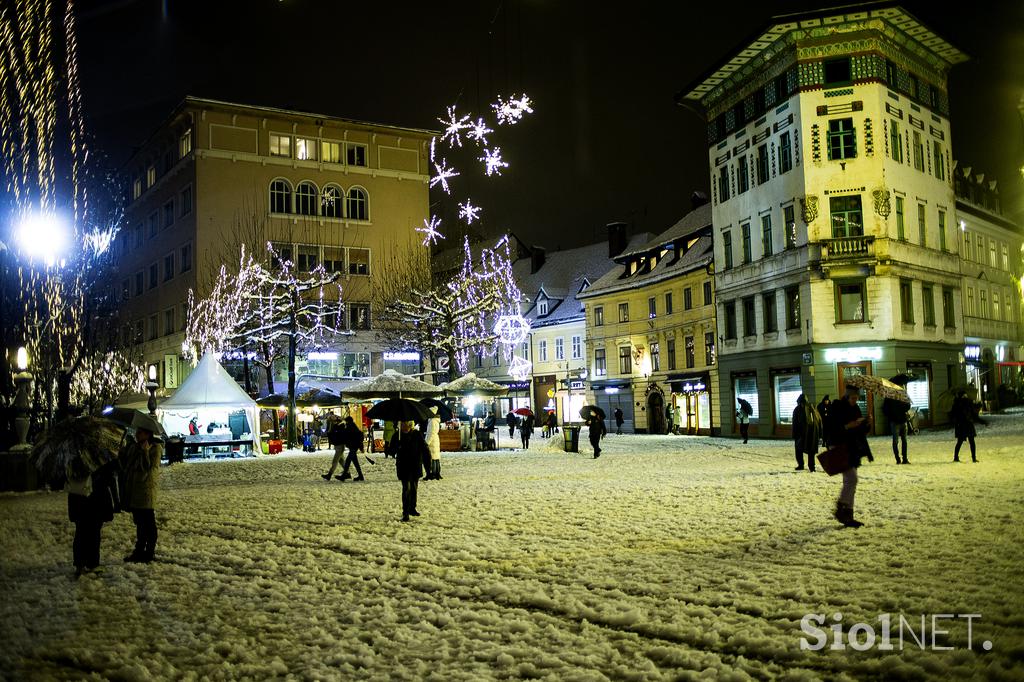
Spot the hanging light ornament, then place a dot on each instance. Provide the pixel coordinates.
(520, 369)
(511, 330)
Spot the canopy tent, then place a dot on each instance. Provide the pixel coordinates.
(391, 384)
(210, 393)
(471, 384)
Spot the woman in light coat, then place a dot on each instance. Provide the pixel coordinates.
(433, 437)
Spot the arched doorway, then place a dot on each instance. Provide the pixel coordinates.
(655, 412)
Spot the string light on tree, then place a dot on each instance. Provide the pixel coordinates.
(511, 111)
(429, 231)
(469, 212)
(493, 161)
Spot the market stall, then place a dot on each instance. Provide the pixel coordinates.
(481, 433)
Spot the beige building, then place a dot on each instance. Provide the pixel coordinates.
(990, 262)
(651, 337)
(832, 186)
(322, 189)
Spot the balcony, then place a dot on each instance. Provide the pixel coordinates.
(848, 248)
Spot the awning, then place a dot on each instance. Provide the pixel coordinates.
(611, 383)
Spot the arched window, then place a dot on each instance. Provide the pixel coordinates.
(356, 204)
(280, 197)
(331, 202)
(306, 198)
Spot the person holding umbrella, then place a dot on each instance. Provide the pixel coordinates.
(848, 428)
(596, 432)
(409, 449)
(964, 416)
(806, 432)
(141, 463)
(743, 415)
(895, 410)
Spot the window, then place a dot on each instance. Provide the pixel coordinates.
(785, 153)
(185, 144)
(280, 197)
(154, 331)
(948, 313)
(762, 164)
(355, 154)
(139, 324)
(330, 152)
(624, 312)
(730, 320)
(577, 347)
(837, 71)
(168, 214)
(937, 160)
(306, 196)
(625, 360)
(154, 276)
(126, 289)
(767, 248)
(942, 231)
(355, 204)
(895, 141)
(918, 152)
(847, 220)
(901, 232)
(707, 292)
(787, 391)
(742, 174)
(139, 283)
(996, 310)
(723, 183)
(982, 303)
(656, 357)
(136, 188)
(668, 303)
(980, 243)
(169, 327)
(745, 232)
(690, 352)
(727, 248)
(789, 218)
(992, 252)
(358, 315)
(307, 258)
(559, 348)
(542, 307)
(850, 302)
(600, 362)
(543, 347)
(186, 201)
(745, 388)
(771, 323)
(749, 319)
(334, 259)
(1006, 258)
(305, 149)
(922, 225)
(687, 298)
(154, 224)
(150, 176)
(842, 142)
(496, 360)
(479, 359)
(280, 145)
(709, 349)
(793, 308)
(970, 300)
(652, 308)
(928, 305)
(330, 202)
(169, 266)
(186, 258)
(906, 301)
(138, 235)
(598, 316)
(670, 348)
(968, 249)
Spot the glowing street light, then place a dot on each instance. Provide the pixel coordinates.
(42, 236)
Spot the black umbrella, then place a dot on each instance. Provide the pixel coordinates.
(745, 406)
(902, 379)
(443, 411)
(134, 419)
(399, 410)
(89, 441)
(588, 410)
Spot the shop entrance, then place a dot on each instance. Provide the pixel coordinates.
(656, 413)
(866, 401)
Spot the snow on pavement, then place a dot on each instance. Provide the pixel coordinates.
(666, 558)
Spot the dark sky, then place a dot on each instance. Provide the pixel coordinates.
(606, 141)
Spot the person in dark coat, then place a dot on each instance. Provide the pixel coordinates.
(510, 422)
(92, 501)
(806, 432)
(896, 412)
(336, 434)
(409, 448)
(743, 417)
(823, 416)
(597, 430)
(618, 421)
(526, 430)
(353, 440)
(964, 414)
(848, 427)
(140, 461)
(552, 423)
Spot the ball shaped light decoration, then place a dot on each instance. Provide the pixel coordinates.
(511, 329)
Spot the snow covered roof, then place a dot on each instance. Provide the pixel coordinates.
(389, 384)
(209, 385)
(471, 383)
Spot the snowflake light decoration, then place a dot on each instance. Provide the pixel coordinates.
(478, 131)
(511, 330)
(520, 369)
(511, 111)
(429, 230)
(452, 126)
(469, 212)
(444, 174)
(492, 159)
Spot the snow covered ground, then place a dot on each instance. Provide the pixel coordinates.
(666, 558)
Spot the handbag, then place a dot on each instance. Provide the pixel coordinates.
(835, 460)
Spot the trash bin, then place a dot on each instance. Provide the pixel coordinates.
(571, 434)
(174, 446)
(265, 443)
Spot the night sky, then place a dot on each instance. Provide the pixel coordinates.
(607, 141)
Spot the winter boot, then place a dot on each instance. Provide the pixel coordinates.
(326, 477)
(359, 478)
(905, 461)
(344, 476)
(844, 515)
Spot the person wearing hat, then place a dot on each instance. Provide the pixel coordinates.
(140, 460)
(849, 428)
(408, 447)
(433, 439)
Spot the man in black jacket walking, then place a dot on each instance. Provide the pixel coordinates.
(409, 449)
(896, 412)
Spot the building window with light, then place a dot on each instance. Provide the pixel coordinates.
(358, 261)
(652, 308)
(851, 301)
(280, 145)
(356, 205)
(305, 149)
(789, 219)
(355, 154)
(185, 144)
(280, 197)
(598, 316)
(624, 312)
(842, 140)
(625, 360)
(600, 362)
(150, 176)
(577, 347)
(330, 152)
(709, 348)
(306, 198)
(358, 315)
(793, 308)
(847, 218)
(655, 357)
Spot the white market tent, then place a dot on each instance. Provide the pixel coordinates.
(209, 392)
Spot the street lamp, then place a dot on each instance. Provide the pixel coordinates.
(42, 236)
(23, 381)
(151, 386)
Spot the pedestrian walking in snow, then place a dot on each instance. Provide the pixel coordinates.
(823, 408)
(963, 414)
(353, 440)
(743, 414)
(526, 430)
(140, 461)
(408, 448)
(597, 430)
(668, 419)
(433, 439)
(92, 501)
(510, 422)
(896, 412)
(336, 439)
(848, 428)
(806, 432)
(618, 421)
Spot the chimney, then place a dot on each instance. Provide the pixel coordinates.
(537, 259)
(617, 234)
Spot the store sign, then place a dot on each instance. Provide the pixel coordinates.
(972, 352)
(808, 358)
(401, 357)
(697, 386)
(322, 355)
(611, 389)
(577, 385)
(170, 371)
(856, 354)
